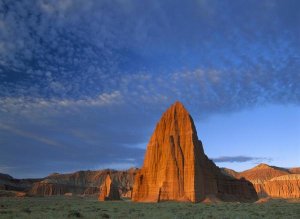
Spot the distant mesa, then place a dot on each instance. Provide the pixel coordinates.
(176, 168)
(108, 190)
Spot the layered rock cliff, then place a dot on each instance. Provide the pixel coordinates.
(286, 186)
(295, 170)
(83, 182)
(272, 181)
(176, 168)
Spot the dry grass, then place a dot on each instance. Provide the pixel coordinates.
(77, 207)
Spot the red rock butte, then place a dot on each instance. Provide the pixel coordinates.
(176, 168)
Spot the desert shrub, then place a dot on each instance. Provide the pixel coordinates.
(26, 210)
(131, 210)
(74, 213)
(104, 215)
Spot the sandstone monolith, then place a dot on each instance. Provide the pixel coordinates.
(176, 168)
(171, 169)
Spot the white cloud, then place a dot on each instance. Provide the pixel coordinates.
(26, 105)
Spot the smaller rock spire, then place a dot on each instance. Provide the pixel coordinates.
(108, 190)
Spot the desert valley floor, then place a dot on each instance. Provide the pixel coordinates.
(80, 207)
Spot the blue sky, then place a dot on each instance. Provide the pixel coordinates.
(83, 83)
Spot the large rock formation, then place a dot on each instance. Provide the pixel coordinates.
(108, 190)
(271, 181)
(176, 168)
(83, 183)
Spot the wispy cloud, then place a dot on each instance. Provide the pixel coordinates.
(29, 135)
(240, 159)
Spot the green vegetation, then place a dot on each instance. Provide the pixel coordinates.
(78, 207)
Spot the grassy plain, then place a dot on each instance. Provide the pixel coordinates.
(78, 207)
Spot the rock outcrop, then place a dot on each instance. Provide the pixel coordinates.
(285, 186)
(9, 183)
(295, 170)
(83, 183)
(45, 188)
(108, 190)
(176, 168)
(271, 181)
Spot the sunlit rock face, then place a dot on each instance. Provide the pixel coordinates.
(176, 168)
(108, 190)
(171, 170)
(287, 186)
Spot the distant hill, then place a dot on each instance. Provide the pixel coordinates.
(7, 182)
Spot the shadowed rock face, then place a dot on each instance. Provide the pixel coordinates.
(108, 190)
(176, 168)
(9, 183)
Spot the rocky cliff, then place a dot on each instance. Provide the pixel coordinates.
(286, 186)
(83, 182)
(176, 168)
(272, 181)
(9, 183)
(295, 170)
